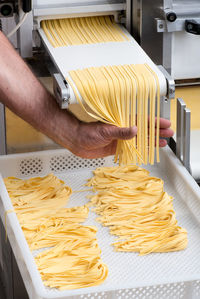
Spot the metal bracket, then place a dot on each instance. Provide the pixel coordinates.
(160, 25)
(180, 19)
(61, 91)
(183, 134)
(170, 83)
(165, 102)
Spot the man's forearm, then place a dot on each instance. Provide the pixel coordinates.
(22, 93)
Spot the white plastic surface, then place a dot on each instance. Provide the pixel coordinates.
(185, 56)
(93, 55)
(130, 276)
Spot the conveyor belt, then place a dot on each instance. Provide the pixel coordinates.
(69, 58)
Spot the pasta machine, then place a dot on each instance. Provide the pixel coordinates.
(169, 32)
(31, 37)
(171, 25)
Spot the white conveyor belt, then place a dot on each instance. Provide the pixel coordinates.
(69, 58)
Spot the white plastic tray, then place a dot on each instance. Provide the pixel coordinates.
(166, 275)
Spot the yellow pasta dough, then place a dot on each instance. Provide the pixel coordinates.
(137, 210)
(74, 259)
(116, 94)
(83, 30)
(72, 264)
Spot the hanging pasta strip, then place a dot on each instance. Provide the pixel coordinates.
(121, 106)
(95, 76)
(139, 111)
(113, 92)
(108, 94)
(116, 108)
(80, 101)
(158, 111)
(152, 129)
(147, 84)
(112, 104)
(115, 82)
(85, 93)
(127, 99)
(103, 93)
(152, 117)
(133, 86)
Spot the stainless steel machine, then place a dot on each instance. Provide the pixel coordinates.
(167, 31)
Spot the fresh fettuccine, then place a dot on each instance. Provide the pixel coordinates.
(124, 96)
(137, 210)
(83, 30)
(74, 260)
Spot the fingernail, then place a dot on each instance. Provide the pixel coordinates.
(162, 142)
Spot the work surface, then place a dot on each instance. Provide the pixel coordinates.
(126, 270)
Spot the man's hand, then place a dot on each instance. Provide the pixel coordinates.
(165, 131)
(94, 140)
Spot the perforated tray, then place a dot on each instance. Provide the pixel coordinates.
(166, 275)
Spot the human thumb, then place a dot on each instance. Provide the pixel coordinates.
(114, 132)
